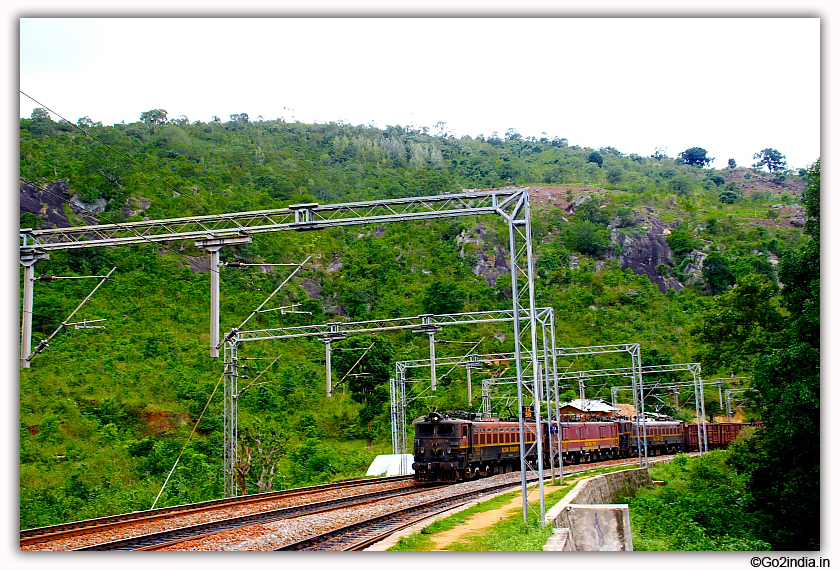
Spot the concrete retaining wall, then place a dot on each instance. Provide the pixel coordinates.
(592, 521)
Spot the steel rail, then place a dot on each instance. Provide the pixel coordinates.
(41, 534)
(322, 541)
(164, 538)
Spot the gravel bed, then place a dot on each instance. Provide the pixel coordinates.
(177, 521)
(268, 536)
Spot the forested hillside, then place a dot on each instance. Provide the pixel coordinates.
(629, 249)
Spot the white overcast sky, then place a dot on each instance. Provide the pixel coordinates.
(733, 86)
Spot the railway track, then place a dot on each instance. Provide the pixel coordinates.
(136, 522)
(167, 538)
(382, 512)
(360, 535)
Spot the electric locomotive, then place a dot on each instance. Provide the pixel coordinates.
(459, 445)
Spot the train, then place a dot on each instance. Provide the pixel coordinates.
(458, 446)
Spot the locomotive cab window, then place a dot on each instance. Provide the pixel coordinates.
(425, 430)
(445, 429)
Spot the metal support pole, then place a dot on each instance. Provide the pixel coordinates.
(231, 417)
(518, 352)
(641, 426)
(328, 338)
(546, 386)
(556, 396)
(28, 296)
(473, 363)
(703, 415)
(469, 385)
(213, 246)
(214, 300)
(582, 389)
(486, 404)
(532, 303)
(28, 261)
(729, 405)
(328, 345)
(432, 358)
(699, 413)
(394, 423)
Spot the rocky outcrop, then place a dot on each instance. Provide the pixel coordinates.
(643, 252)
(96, 207)
(135, 206)
(491, 270)
(312, 287)
(334, 265)
(48, 202)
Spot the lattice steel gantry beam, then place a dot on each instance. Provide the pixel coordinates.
(299, 217)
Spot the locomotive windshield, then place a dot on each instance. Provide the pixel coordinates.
(425, 430)
(445, 429)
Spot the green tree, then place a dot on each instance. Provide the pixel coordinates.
(615, 175)
(695, 156)
(682, 242)
(785, 473)
(731, 163)
(717, 273)
(443, 298)
(728, 197)
(682, 185)
(154, 117)
(367, 364)
(744, 330)
(596, 158)
(771, 158)
(739, 324)
(585, 237)
(718, 180)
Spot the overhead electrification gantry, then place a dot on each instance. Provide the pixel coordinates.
(511, 204)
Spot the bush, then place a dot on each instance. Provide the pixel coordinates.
(728, 197)
(701, 507)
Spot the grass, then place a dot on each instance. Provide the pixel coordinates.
(509, 534)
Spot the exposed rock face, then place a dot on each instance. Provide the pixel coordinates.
(491, 271)
(96, 207)
(135, 206)
(49, 204)
(333, 307)
(642, 252)
(334, 265)
(312, 288)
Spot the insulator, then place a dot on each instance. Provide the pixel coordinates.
(234, 264)
(46, 278)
